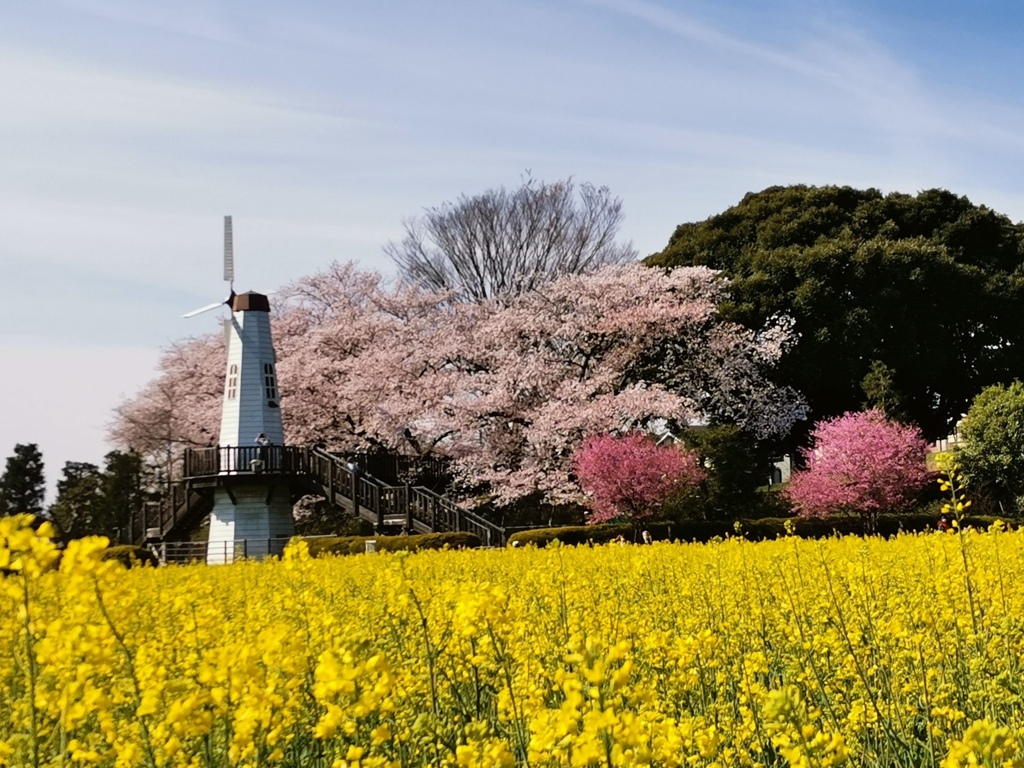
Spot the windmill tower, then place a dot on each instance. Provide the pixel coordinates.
(252, 500)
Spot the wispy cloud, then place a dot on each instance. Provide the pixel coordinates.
(184, 17)
(67, 97)
(119, 171)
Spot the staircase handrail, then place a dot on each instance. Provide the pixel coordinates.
(459, 519)
(418, 503)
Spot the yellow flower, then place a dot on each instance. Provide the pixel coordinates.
(985, 744)
(729, 654)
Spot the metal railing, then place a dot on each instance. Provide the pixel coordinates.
(422, 509)
(249, 459)
(157, 519)
(433, 473)
(217, 552)
(414, 508)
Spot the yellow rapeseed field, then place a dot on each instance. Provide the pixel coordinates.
(851, 651)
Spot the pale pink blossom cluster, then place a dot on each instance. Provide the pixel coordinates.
(178, 409)
(507, 390)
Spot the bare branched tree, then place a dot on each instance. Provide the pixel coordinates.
(503, 243)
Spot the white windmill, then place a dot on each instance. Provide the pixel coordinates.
(252, 498)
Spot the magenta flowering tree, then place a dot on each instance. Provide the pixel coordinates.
(860, 463)
(631, 476)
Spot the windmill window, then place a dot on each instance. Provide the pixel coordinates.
(270, 381)
(233, 381)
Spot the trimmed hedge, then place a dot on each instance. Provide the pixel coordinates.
(130, 555)
(572, 534)
(754, 530)
(354, 545)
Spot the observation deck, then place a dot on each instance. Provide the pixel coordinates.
(304, 471)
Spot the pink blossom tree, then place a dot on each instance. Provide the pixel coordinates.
(630, 475)
(507, 390)
(178, 409)
(860, 463)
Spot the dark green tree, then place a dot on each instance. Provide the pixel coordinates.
(80, 509)
(125, 480)
(737, 467)
(908, 303)
(23, 484)
(95, 502)
(991, 453)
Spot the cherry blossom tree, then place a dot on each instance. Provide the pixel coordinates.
(178, 409)
(630, 475)
(860, 463)
(508, 390)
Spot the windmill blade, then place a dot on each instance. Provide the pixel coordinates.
(229, 251)
(207, 308)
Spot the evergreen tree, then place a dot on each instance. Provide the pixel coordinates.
(737, 465)
(23, 485)
(95, 502)
(79, 509)
(123, 493)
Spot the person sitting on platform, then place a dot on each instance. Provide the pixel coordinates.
(263, 442)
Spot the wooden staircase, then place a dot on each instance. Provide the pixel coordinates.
(305, 471)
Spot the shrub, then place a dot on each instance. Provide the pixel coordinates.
(354, 545)
(571, 534)
(993, 443)
(130, 555)
(923, 519)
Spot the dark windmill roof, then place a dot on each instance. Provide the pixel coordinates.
(250, 301)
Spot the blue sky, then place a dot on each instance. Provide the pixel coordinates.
(128, 128)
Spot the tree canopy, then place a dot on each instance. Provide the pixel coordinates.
(630, 476)
(23, 484)
(992, 448)
(502, 243)
(737, 465)
(860, 463)
(100, 502)
(907, 303)
(79, 509)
